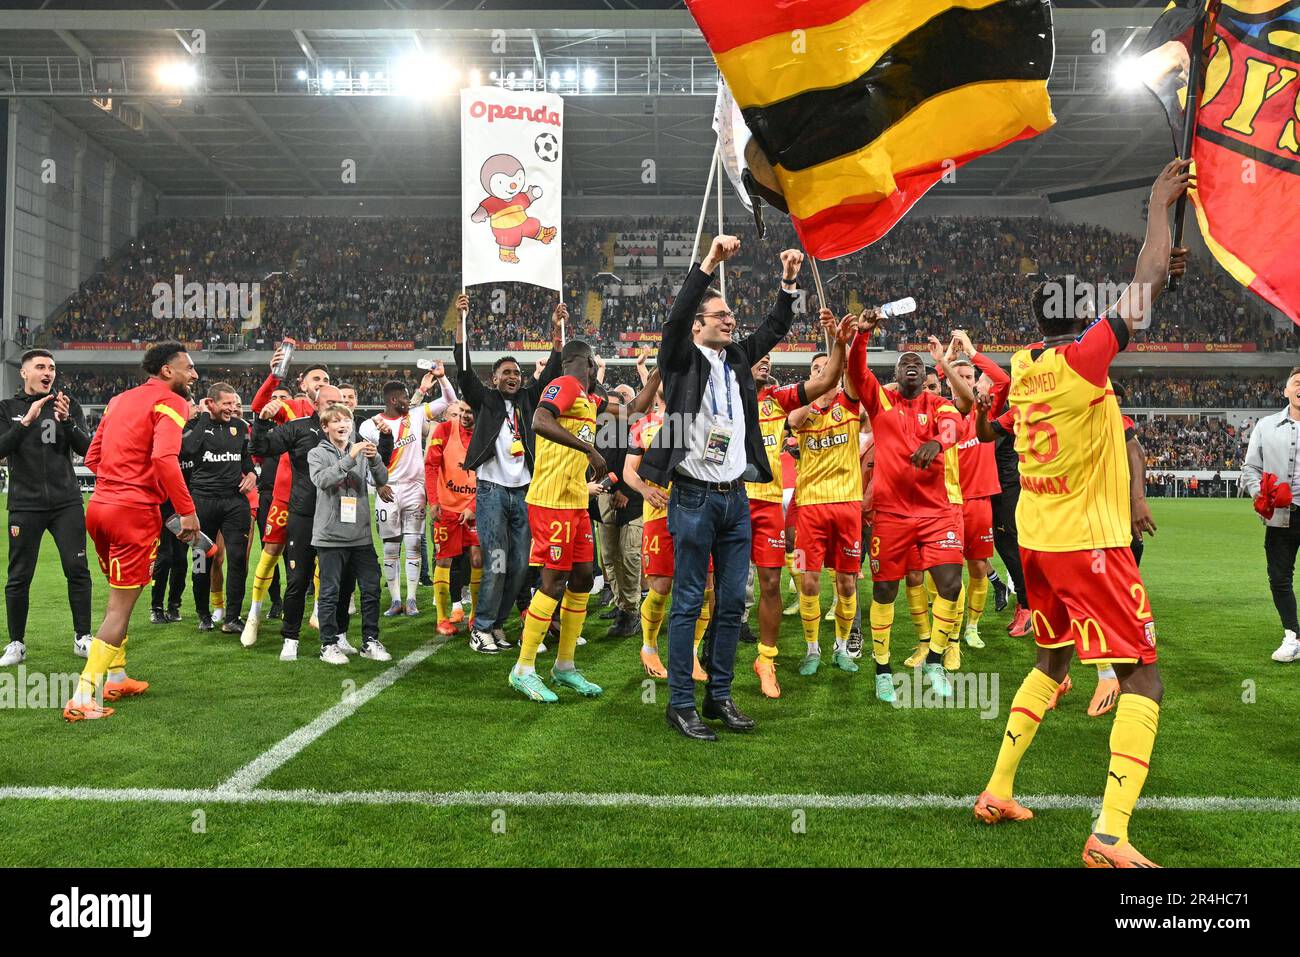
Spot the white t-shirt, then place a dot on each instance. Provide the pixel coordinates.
(406, 465)
(505, 468)
(723, 391)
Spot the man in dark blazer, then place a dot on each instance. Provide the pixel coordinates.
(709, 446)
(501, 455)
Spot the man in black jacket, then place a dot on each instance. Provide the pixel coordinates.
(39, 432)
(297, 437)
(220, 471)
(710, 445)
(501, 452)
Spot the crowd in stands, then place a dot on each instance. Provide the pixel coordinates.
(1192, 442)
(392, 280)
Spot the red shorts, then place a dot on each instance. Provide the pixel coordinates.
(907, 543)
(126, 541)
(657, 548)
(830, 531)
(977, 528)
(451, 536)
(561, 537)
(277, 521)
(1094, 599)
(768, 522)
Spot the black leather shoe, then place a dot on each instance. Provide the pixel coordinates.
(728, 713)
(687, 723)
(746, 635)
(609, 613)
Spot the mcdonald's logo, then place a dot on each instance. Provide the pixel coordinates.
(1084, 629)
(1041, 626)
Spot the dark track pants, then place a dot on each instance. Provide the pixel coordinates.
(67, 526)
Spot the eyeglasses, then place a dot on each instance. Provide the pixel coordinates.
(720, 314)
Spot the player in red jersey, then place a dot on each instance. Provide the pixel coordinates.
(917, 506)
(979, 481)
(275, 528)
(135, 458)
(451, 492)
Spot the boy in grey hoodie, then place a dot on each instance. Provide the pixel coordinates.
(341, 532)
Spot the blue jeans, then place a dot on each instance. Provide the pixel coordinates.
(706, 523)
(502, 519)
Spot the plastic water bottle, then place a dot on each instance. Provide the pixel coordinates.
(426, 364)
(203, 544)
(282, 367)
(900, 307)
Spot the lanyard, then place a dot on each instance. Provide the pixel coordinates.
(726, 379)
(510, 420)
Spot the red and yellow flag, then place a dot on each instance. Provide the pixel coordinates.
(1246, 154)
(860, 106)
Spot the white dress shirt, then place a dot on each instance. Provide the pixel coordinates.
(723, 392)
(505, 468)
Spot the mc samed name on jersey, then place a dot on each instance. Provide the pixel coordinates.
(511, 161)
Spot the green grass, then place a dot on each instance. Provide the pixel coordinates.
(453, 725)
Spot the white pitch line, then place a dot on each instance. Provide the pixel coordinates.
(587, 799)
(261, 767)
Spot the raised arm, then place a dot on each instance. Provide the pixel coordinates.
(777, 325)
(471, 387)
(645, 399)
(840, 333)
(1157, 260)
(677, 341)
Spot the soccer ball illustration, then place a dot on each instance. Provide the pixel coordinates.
(547, 147)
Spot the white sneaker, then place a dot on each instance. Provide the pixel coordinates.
(581, 640)
(290, 650)
(375, 651)
(482, 642)
(1289, 650)
(541, 647)
(81, 645)
(218, 614)
(331, 655)
(597, 584)
(412, 610)
(500, 639)
(15, 654)
(343, 646)
(248, 637)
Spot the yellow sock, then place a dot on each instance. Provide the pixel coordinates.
(442, 592)
(930, 590)
(810, 613)
(316, 582)
(846, 609)
(882, 623)
(536, 620)
(475, 580)
(767, 651)
(1027, 710)
(573, 612)
(652, 617)
(99, 659)
(117, 667)
(961, 610)
(217, 599)
(706, 615)
(1132, 738)
(977, 595)
(919, 605)
(263, 575)
(945, 622)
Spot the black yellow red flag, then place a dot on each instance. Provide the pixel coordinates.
(858, 107)
(1246, 151)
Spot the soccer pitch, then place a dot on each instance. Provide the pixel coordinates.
(234, 758)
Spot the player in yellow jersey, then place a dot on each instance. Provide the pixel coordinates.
(829, 526)
(1075, 528)
(765, 512)
(565, 424)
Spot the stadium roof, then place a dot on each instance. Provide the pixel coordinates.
(283, 95)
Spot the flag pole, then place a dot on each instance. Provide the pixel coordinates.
(704, 206)
(464, 331)
(722, 267)
(1195, 73)
(821, 294)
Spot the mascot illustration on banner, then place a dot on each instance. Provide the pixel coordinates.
(505, 207)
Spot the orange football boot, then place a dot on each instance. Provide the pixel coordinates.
(766, 671)
(1104, 698)
(1063, 689)
(126, 688)
(654, 667)
(457, 616)
(995, 810)
(84, 712)
(1097, 853)
(445, 627)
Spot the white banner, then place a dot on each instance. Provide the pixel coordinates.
(510, 149)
